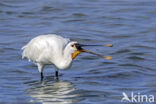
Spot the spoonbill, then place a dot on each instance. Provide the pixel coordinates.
(54, 49)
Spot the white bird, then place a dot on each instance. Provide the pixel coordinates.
(53, 49)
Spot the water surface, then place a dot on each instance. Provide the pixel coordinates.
(130, 25)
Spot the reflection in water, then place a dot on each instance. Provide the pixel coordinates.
(57, 92)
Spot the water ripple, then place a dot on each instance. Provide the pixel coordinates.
(128, 25)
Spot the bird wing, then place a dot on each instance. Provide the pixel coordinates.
(44, 47)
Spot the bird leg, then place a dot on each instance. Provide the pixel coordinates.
(56, 73)
(40, 69)
(42, 76)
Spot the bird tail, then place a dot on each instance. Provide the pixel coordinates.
(23, 54)
(23, 47)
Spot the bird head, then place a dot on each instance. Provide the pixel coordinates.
(74, 50)
(77, 49)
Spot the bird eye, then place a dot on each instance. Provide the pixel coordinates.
(72, 45)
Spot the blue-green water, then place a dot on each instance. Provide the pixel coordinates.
(128, 24)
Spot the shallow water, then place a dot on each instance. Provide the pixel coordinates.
(130, 25)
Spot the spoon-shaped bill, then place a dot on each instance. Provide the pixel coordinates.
(82, 45)
(105, 57)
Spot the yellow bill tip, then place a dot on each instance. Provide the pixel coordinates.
(109, 45)
(108, 57)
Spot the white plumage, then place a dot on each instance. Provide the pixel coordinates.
(49, 49)
(53, 49)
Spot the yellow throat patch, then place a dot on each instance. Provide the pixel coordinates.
(75, 54)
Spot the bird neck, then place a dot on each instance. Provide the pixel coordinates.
(66, 59)
(67, 54)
